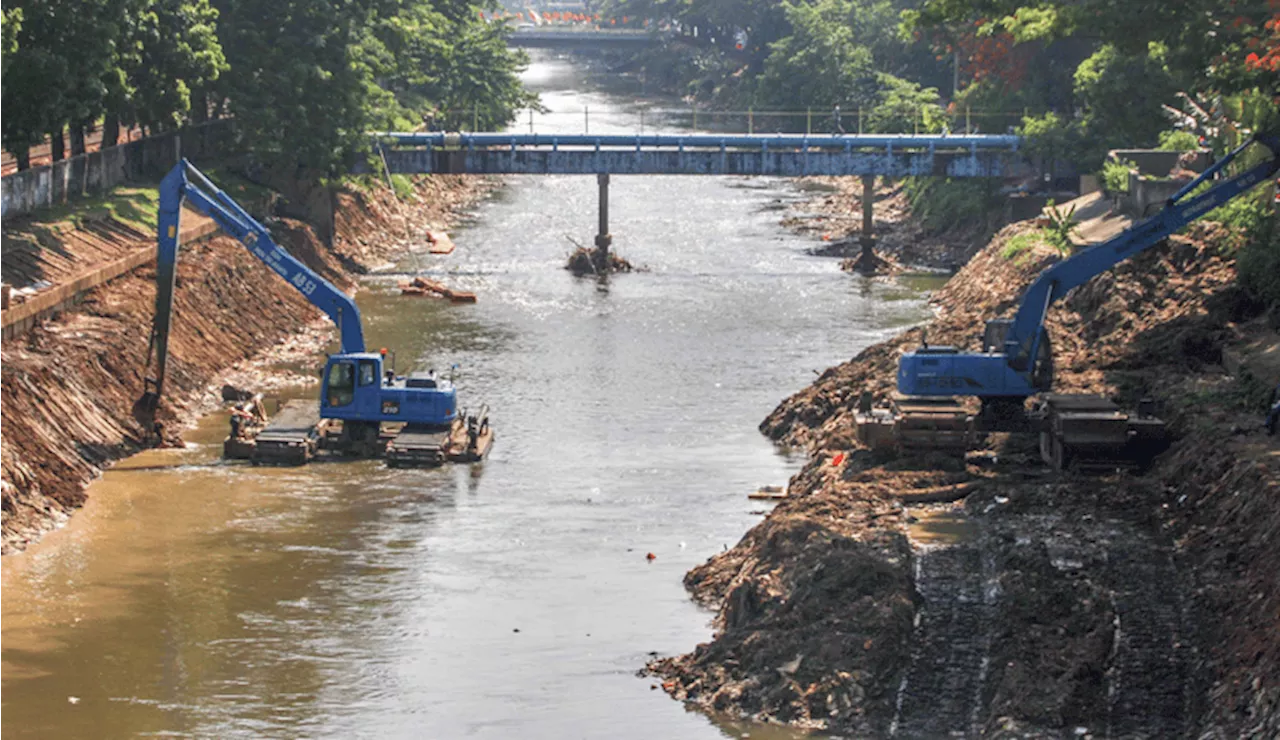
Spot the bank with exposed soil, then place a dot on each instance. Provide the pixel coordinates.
(1120, 604)
(834, 214)
(69, 384)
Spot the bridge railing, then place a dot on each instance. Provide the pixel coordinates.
(642, 119)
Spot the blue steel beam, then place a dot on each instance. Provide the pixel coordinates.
(703, 154)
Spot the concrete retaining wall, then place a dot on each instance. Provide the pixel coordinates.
(40, 187)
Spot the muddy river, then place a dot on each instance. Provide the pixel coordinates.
(196, 598)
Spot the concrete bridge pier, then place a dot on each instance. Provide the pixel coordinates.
(603, 237)
(868, 238)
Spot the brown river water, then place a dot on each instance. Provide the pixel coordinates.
(197, 598)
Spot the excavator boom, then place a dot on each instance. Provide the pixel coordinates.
(186, 184)
(1016, 360)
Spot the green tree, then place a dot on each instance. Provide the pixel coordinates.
(819, 63)
(1121, 96)
(10, 24)
(178, 51)
(33, 92)
(904, 107)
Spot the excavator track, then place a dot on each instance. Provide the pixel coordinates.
(915, 423)
(291, 437)
(419, 446)
(941, 692)
(1091, 432)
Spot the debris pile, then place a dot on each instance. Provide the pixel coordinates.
(584, 261)
(421, 286)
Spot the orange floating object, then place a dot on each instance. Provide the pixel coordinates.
(650, 556)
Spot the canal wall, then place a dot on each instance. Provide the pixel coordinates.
(28, 191)
(1122, 604)
(69, 382)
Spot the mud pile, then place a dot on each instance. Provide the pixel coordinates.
(585, 261)
(69, 384)
(1112, 605)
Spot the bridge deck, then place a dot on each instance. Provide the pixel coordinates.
(703, 154)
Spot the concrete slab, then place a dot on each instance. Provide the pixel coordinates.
(1097, 221)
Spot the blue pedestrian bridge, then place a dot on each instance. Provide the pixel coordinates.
(779, 155)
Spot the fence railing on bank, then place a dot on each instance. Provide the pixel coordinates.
(96, 172)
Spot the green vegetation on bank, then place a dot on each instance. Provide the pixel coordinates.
(304, 79)
(1076, 78)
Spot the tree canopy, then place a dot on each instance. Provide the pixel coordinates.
(305, 79)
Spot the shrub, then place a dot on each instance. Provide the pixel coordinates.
(1061, 227)
(1019, 244)
(942, 203)
(1178, 141)
(1115, 175)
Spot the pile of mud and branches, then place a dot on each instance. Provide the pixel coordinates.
(1063, 605)
(584, 261)
(69, 384)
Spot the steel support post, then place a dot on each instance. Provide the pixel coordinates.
(603, 237)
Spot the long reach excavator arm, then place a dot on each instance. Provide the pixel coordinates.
(186, 184)
(1015, 361)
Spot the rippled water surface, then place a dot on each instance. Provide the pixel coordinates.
(510, 599)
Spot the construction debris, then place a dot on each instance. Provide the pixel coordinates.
(421, 286)
(586, 261)
(440, 242)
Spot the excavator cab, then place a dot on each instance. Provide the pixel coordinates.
(357, 389)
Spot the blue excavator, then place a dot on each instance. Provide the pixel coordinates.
(1016, 359)
(364, 410)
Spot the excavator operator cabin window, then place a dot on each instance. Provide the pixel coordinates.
(368, 373)
(342, 383)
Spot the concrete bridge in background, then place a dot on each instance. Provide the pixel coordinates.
(778, 155)
(551, 38)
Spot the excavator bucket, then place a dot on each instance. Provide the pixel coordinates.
(145, 408)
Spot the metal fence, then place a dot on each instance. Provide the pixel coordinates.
(640, 119)
(40, 187)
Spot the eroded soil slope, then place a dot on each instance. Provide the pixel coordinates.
(69, 384)
(1113, 606)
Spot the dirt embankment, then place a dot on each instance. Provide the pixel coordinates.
(1063, 605)
(69, 384)
(834, 214)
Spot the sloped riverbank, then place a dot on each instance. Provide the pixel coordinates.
(69, 383)
(1118, 605)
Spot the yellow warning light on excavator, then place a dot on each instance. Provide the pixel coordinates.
(383, 351)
